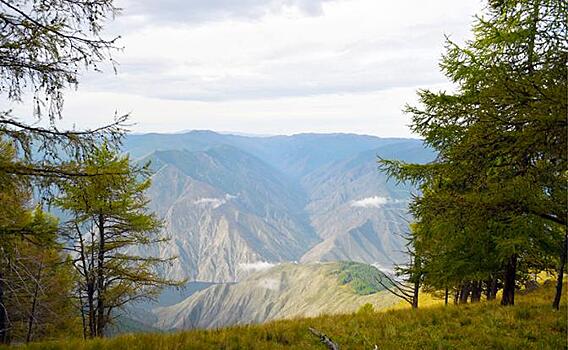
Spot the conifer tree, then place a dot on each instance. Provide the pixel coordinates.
(108, 230)
(36, 282)
(494, 201)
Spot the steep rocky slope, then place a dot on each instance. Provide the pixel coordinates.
(225, 210)
(357, 211)
(283, 291)
(232, 202)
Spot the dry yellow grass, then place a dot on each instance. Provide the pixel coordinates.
(531, 324)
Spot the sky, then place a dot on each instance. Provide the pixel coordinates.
(270, 66)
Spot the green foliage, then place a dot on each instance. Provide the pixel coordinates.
(14, 194)
(362, 278)
(494, 201)
(366, 309)
(37, 280)
(109, 228)
(45, 45)
(480, 326)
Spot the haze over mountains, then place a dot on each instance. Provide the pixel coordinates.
(233, 203)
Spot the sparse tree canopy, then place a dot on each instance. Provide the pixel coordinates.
(44, 46)
(109, 227)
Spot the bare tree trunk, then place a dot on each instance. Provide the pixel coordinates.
(560, 281)
(100, 279)
(446, 297)
(32, 316)
(87, 272)
(508, 298)
(91, 306)
(83, 318)
(330, 344)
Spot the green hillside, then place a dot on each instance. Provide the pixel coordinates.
(531, 324)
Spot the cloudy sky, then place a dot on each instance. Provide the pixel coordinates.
(271, 66)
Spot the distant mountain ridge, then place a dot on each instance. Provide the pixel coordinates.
(294, 155)
(230, 201)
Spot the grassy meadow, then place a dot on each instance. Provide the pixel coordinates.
(530, 324)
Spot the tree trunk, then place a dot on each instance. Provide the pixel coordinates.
(91, 306)
(508, 298)
(560, 281)
(464, 293)
(415, 295)
(32, 317)
(446, 297)
(476, 291)
(3, 315)
(488, 289)
(491, 288)
(494, 288)
(100, 279)
(83, 318)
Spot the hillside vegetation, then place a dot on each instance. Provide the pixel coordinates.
(531, 324)
(284, 291)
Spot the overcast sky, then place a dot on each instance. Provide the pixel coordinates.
(271, 66)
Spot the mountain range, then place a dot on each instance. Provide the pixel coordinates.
(231, 203)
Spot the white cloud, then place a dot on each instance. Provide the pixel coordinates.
(271, 66)
(256, 266)
(370, 202)
(198, 11)
(376, 113)
(269, 283)
(375, 202)
(214, 202)
(386, 270)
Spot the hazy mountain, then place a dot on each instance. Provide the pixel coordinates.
(358, 213)
(230, 202)
(295, 155)
(283, 291)
(225, 209)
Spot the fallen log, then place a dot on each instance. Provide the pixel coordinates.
(331, 345)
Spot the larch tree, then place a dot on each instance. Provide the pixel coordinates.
(108, 230)
(36, 281)
(26, 237)
(494, 201)
(44, 47)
